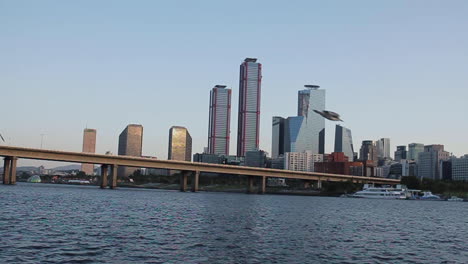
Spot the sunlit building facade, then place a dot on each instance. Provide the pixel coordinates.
(248, 128)
(220, 119)
(89, 146)
(130, 144)
(180, 144)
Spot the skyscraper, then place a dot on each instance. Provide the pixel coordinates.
(220, 119)
(130, 144)
(368, 151)
(400, 153)
(89, 146)
(277, 137)
(429, 161)
(292, 127)
(180, 144)
(248, 127)
(344, 141)
(413, 151)
(311, 136)
(383, 148)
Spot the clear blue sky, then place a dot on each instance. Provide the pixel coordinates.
(396, 69)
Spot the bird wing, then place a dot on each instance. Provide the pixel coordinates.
(2, 137)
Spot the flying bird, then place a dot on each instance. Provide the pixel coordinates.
(329, 115)
(2, 137)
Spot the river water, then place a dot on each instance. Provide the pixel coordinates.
(43, 223)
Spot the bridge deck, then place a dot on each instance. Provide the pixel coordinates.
(79, 157)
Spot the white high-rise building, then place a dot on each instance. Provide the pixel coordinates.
(301, 161)
(383, 148)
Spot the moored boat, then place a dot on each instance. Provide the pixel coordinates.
(380, 193)
(455, 199)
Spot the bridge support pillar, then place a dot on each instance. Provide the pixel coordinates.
(319, 184)
(113, 179)
(183, 181)
(6, 170)
(103, 176)
(250, 184)
(263, 185)
(13, 170)
(196, 178)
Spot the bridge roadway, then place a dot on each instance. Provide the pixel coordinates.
(111, 162)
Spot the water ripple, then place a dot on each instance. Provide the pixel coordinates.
(74, 224)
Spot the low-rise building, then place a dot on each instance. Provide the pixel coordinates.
(460, 168)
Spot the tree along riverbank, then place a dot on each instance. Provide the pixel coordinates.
(443, 187)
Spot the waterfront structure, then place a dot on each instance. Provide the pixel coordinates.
(248, 128)
(13, 154)
(277, 136)
(311, 133)
(130, 144)
(383, 148)
(180, 144)
(368, 151)
(429, 161)
(89, 146)
(344, 142)
(400, 153)
(219, 120)
(460, 168)
(413, 151)
(301, 161)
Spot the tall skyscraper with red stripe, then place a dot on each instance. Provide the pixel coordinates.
(220, 120)
(248, 129)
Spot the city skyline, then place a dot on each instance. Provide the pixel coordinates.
(412, 70)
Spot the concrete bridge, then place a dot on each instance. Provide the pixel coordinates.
(188, 169)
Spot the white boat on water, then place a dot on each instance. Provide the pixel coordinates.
(371, 192)
(455, 199)
(429, 196)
